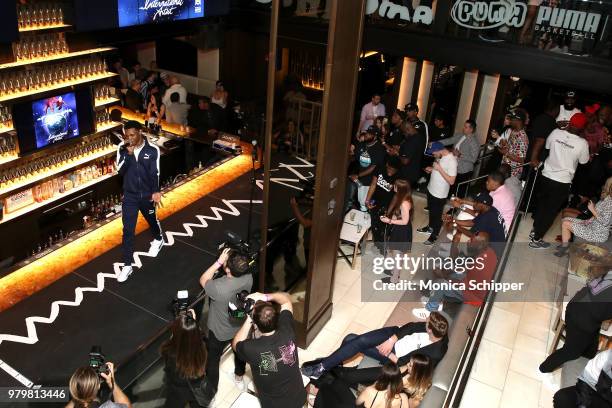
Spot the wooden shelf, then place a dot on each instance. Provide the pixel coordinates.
(59, 170)
(4, 129)
(67, 84)
(32, 207)
(65, 167)
(48, 27)
(56, 57)
(8, 159)
(103, 102)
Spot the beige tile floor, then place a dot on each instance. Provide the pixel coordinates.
(505, 370)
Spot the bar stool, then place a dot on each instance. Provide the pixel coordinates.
(354, 232)
(559, 325)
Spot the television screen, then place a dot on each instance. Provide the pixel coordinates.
(136, 12)
(55, 119)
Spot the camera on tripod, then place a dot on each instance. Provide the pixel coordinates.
(97, 360)
(242, 307)
(180, 304)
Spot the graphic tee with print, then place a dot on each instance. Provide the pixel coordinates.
(384, 189)
(275, 366)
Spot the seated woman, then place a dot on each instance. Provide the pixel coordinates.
(395, 344)
(416, 378)
(596, 228)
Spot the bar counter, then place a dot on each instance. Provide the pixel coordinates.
(47, 269)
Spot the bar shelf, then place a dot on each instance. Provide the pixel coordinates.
(62, 85)
(56, 57)
(22, 211)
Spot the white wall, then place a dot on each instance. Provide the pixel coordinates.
(466, 99)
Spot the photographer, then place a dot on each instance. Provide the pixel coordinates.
(184, 355)
(222, 327)
(85, 386)
(273, 356)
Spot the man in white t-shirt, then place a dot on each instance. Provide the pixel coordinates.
(175, 86)
(370, 112)
(443, 174)
(567, 110)
(566, 149)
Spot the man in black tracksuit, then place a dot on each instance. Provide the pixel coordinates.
(138, 163)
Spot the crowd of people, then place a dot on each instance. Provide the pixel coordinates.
(391, 156)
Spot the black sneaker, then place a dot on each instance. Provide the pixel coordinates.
(313, 371)
(425, 230)
(562, 251)
(539, 244)
(532, 234)
(426, 209)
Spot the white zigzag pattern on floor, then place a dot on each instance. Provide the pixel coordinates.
(32, 336)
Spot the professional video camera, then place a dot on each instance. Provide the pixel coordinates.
(234, 242)
(97, 360)
(242, 307)
(181, 303)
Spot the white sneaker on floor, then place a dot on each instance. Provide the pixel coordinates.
(548, 381)
(239, 383)
(156, 246)
(125, 273)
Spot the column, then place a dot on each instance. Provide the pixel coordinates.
(485, 105)
(407, 82)
(425, 89)
(466, 99)
(341, 67)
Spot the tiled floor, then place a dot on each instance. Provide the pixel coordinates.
(505, 370)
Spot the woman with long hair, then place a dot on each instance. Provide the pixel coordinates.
(185, 360)
(155, 109)
(399, 220)
(417, 378)
(387, 391)
(596, 228)
(85, 385)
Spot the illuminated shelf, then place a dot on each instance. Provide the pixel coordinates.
(8, 159)
(43, 28)
(4, 129)
(61, 85)
(22, 211)
(107, 126)
(103, 102)
(66, 166)
(314, 87)
(54, 57)
(33, 180)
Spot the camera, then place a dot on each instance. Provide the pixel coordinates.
(234, 242)
(180, 304)
(242, 307)
(97, 360)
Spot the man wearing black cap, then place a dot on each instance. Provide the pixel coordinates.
(567, 110)
(487, 219)
(514, 150)
(369, 154)
(395, 136)
(138, 163)
(410, 153)
(412, 115)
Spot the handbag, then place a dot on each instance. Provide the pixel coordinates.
(203, 392)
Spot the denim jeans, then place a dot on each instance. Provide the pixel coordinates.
(354, 344)
(437, 296)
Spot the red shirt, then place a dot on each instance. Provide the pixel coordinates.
(478, 274)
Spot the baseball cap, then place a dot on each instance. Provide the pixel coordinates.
(578, 121)
(435, 147)
(411, 107)
(484, 198)
(373, 130)
(570, 94)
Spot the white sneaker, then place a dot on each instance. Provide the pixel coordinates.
(156, 246)
(548, 381)
(239, 382)
(125, 273)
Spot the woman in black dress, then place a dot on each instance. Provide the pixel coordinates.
(399, 223)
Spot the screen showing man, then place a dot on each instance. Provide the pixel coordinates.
(55, 119)
(136, 12)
